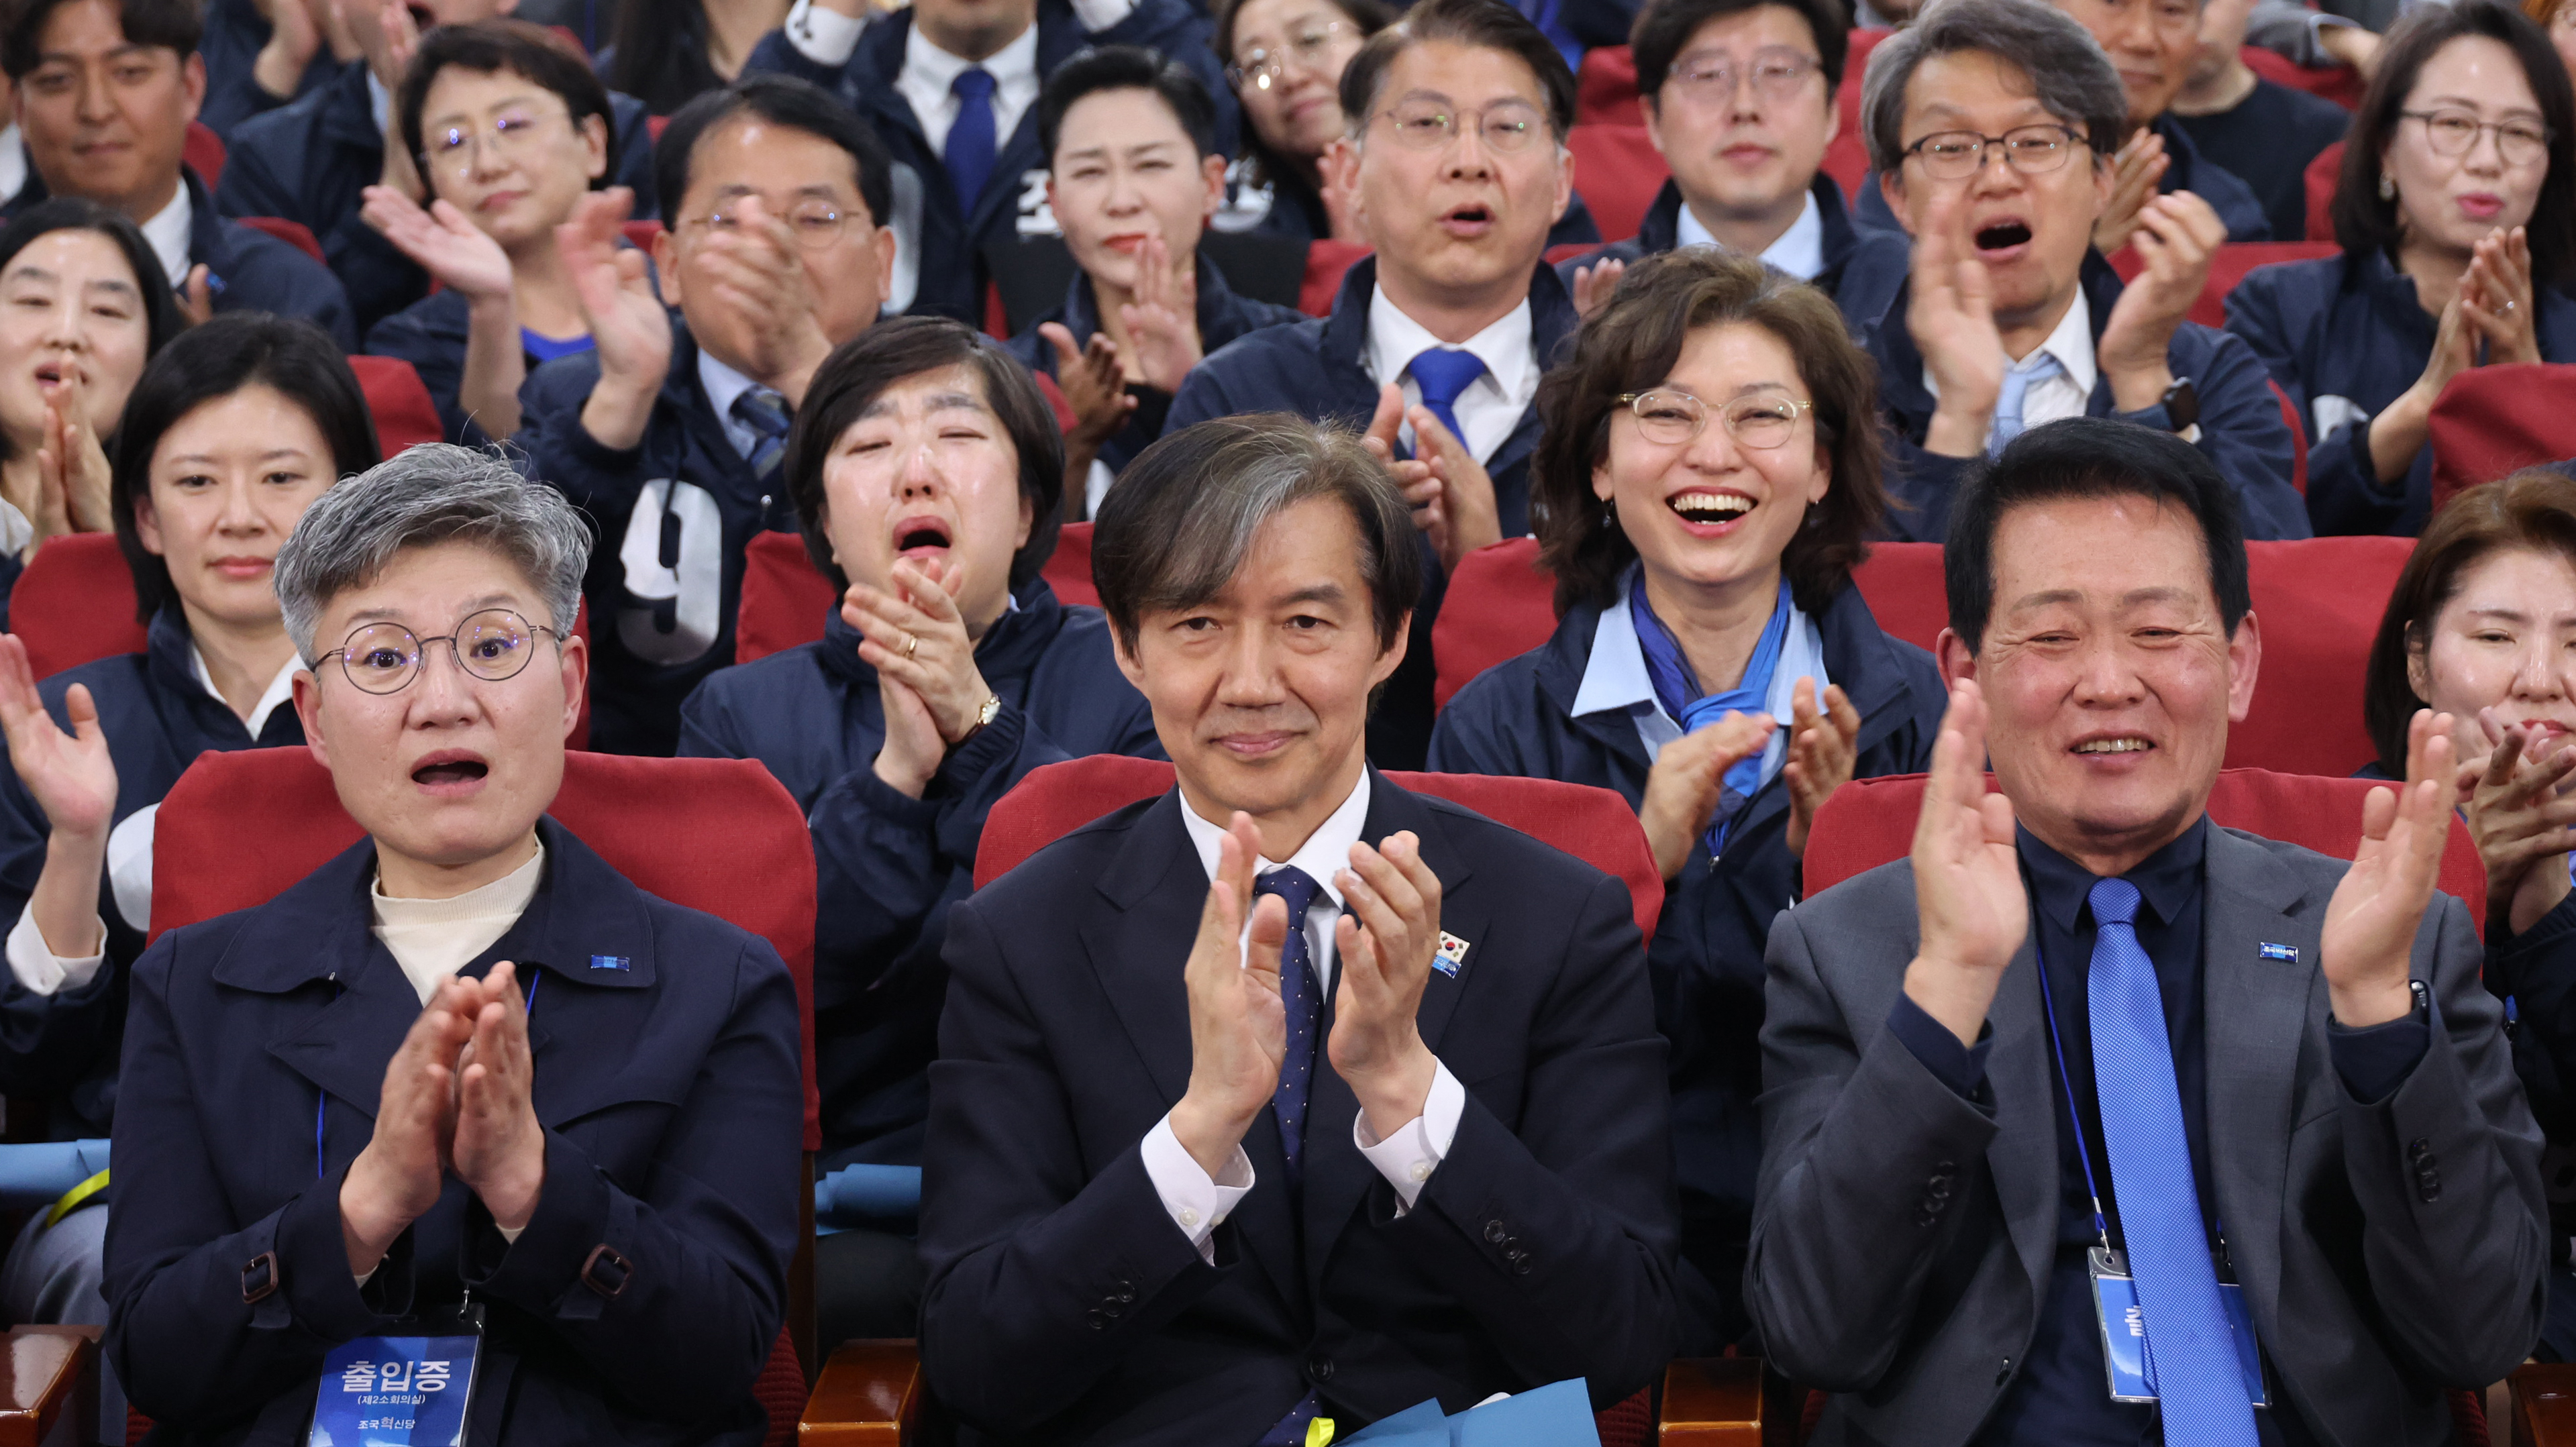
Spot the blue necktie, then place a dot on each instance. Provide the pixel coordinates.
(1443, 375)
(2191, 1352)
(765, 413)
(2018, 380)
(969, 157)
(1303, 996)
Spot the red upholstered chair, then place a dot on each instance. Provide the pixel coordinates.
(640, 234)
(1847, 157)
(2494, 420)
(1618, 170)
(293, 233)
(1901, 582)
(1325, 263)
(653, 126)
(2227, 268)
(748, 860)
(1605, 88)
(2338, 83)
(784, 598)
(2318, 602)
(399, 402)
(1499, 606)
(1068, 570)
(203, 152)
(2298, 437)
(2321, 177)
(75, 603)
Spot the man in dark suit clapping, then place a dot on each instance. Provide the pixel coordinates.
(1240, 1119)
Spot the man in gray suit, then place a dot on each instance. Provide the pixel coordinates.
(2088, 1069)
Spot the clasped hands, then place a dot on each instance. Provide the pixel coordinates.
(1689, 775)
(1386, 936)
(916, 640)
(2521, 810)
(1451, 493)
(456, 1099)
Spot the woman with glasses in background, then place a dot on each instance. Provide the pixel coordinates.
(1708, 472)
(510, 130)
(2457, 217)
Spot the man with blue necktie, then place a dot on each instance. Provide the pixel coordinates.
(2090, 1069)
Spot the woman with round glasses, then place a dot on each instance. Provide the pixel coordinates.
(1702, 491)
(510, 131)
(2456, 213)
(236, 427)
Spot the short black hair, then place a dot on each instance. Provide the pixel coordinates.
(171, 24)
(515, 47)
(862, 368)
(207, 363)
(1665, 26)
(2088, 457)
(1127, 67)
(1483, 24)
(780, 100)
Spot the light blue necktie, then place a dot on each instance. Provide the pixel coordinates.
(970, 150)
(1302, 996)
(764, 413)
(2191, 1354)
(2018, 380)
(1444, 375)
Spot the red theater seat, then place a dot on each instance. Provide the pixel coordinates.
(1605, 88)
(640, 234)
(2494, 420)
(1847, 156)
(1326, 261)
(2318, 602)
(1901, 583)
(2320, 178)
(1068, 570)
(1618, 170)
(2227, 268)
(203, 152)
(2338, 83)
(399, 402)
(1498, 606)
(1871, 821)
(293, 233)
(75, 604)
(784, 598)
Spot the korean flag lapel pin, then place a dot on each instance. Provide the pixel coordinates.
(1451, 954)
(2286, 954)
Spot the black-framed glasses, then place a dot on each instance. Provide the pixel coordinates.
(1669, 416)
(1777, 74)
(493, 645)
(815, 224)
(2033, 150)
(1263, 67)
(1508, 127)
(2456, 132)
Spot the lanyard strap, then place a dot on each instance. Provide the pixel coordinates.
(322, 1098)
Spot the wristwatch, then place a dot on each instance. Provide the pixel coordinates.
(2181, 402)
(984, 716)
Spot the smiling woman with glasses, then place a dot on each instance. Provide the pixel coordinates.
(1707, 474)
(1284, 59)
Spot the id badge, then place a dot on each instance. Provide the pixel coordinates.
(2124, 1332)
(400, 1391)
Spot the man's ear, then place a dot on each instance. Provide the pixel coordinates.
(192, 79)
(1388, 661)
(1957, 660)
(1891, 189)
(2244, 660)
(666, 265)
(1128, 663)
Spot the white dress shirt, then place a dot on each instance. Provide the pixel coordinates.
(1615, 680)
(168, 232)
(1799, 251)
(1492, 405)
(827, 38)
(1197, 1202)
(2066, 394)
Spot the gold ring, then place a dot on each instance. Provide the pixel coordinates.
(2508, 306)
(911, 644)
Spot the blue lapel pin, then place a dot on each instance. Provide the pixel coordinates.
(1451, 954)
(2287, 954)
(617, 962)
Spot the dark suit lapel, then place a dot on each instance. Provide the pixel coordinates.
(2024, 1153)
(342, 1046)
(2257, 1014)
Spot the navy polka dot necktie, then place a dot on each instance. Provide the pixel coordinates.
(1302, 994)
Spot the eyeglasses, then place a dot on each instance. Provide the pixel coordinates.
(1508, 127)
(457, 149)
(493, 645)
(1670, 417)
(2031, 150)
(1263, 69)
(2455, 133)
(815, 224)
(1777, 75)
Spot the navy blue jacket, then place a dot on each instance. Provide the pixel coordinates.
(310, 161)
(2185, 170)
(1223, 315)
(157, 718)
(2345, 336)
(1706, 957)
(1065, 1307)
(234, 36)
(949, 240)
(1660, 232)
(670, 1095)
(889, 866)
(1318, 368)
(674, 516)
(251, 271)
(432, 334)
(2241, 430)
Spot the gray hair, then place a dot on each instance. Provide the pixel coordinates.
(2064, 66)
(428, 494)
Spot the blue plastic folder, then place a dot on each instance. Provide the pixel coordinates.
(1556, 1415)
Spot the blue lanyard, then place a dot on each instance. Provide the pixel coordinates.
(322, 1099)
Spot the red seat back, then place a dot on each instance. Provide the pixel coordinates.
(2321, 178)
(293, 233)
(1499, 606)
(2318, 602)
(1605, 87)
(2338, 83)
(1901, 583)
(2495, 419)
(654, 126)
(2226, 268)
(1871, 821)
(2298, 437)
(399, 401)
(1847, 156)
(640, 234)
(784, 598)
(75, 604)
(747, 859)
(1593, 825)
(1068, 569)
(203, 152)
(1326, 261)
(1618, 170)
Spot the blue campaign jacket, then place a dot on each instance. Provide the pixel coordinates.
(2241, 430)
(888, 867)
(1223, 315)
(674, 516)
(310, 160)
(670, 1094)
(235, 33)
(2345, 336)
(432, 334)
(2185, 170)
(251, 271)
(1706, 957)
(157, 718)
(949, 242)
(1660, 232)
(1318, 368)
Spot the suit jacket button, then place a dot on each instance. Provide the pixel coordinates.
(1494, 1232)
(1320, 1367)
(2431, 1192)
(1126, 1293)
(2418, 1148)
(1521, 1266)
(1096, 1320)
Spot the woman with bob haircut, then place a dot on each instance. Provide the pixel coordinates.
(1703, 489)
(2482, 626)
(2456, 213)
(927, 472)
(229, 435)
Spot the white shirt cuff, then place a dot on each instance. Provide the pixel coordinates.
(1099, 15)
(1416, 1148)
(822, 36)
(1197, 1202)
(39, 968)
